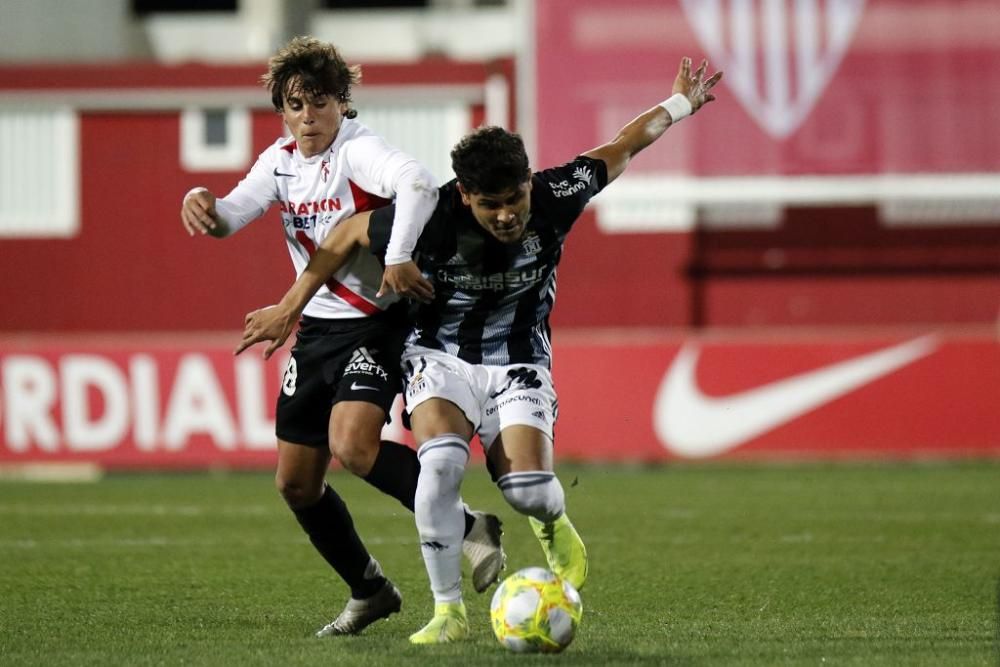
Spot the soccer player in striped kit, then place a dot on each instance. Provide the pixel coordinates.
(479, 356)
(343, 373)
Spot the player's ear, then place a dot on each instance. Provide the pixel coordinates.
(465, 195)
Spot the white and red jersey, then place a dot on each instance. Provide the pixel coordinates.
(358, 172)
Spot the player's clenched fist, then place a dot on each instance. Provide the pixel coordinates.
(198, 212)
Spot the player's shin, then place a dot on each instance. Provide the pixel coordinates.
(536, 494)
(395, 473)
(439, 513)
(330, 528)
(539, 495)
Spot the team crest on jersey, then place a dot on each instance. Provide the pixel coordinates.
(778, 56)
(531, 244)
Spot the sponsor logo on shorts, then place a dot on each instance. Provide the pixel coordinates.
(533, 400)
(362, 363)
(519, 378)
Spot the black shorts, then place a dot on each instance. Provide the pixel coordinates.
(338, 360)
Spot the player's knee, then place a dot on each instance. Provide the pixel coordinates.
(536, 494)
(442, 465)
(433, 504)
(296, 493)
(355, 449)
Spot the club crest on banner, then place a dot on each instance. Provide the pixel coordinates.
(778, 55)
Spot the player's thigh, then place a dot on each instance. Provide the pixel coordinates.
(520, 448)
(355, 434)
(309, 386)
(520, 395)
(364, 370)
(301, 472)
(439, 395)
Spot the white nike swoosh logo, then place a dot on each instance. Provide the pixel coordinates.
(691, 424)
(355, 386)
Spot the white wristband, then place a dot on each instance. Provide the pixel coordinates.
(678, 106)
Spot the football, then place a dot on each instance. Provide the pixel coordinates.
(534, 611)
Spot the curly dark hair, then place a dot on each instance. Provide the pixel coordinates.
(490, 160)
(314, 67)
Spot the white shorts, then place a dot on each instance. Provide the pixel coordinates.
(492, 397)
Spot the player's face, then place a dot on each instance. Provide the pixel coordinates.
(504, 214)
(313, 120)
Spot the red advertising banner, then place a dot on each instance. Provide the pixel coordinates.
(188, 403)
(813, 87)
(820, 395)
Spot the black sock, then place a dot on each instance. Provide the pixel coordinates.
(395, 473)
(331, 530)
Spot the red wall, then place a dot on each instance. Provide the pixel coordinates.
(133, 267)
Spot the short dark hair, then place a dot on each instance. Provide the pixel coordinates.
(490, 160)
(316, 67)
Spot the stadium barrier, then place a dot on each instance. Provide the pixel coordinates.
(186, 402)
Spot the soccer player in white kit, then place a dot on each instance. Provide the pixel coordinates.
(343, 373)
(479, 357)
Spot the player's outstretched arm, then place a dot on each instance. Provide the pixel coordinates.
(275, 323)
(691, 91)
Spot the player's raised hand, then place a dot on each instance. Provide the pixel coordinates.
(695, 86)
(406, 280)
(273, 323)
(198, 212)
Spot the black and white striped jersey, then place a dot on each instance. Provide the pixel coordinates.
(492, 300)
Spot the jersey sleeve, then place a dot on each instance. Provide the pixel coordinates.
(568, 188)
(390, 173)
(380, 230)
(251, 197)
(433, 239)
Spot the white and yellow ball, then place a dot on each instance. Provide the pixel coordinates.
(534, 611)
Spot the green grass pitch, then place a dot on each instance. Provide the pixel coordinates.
(847, 564)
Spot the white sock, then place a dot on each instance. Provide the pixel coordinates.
(438, 509)
(537, 494)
